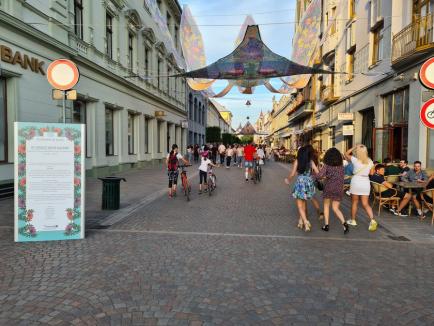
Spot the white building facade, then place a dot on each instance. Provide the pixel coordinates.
(130, 120)
(197, 117)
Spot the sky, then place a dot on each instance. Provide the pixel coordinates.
(219, 42)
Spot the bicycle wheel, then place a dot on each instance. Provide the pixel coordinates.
(186, 187)
(210, 187)
(259, 174)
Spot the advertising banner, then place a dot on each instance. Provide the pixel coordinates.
(49, 181)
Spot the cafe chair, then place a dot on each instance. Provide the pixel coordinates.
(427, 196)
(377, 189)
(392, 178)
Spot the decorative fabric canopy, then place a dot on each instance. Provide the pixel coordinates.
(252, 60)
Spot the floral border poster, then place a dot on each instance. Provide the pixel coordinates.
(49, 181)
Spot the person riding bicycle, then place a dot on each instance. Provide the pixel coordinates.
(204, 170)
(261, 155)
(172, 162)
(249, 160)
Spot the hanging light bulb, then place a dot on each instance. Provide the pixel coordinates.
(248, 103)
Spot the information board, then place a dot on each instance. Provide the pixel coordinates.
(49, 181)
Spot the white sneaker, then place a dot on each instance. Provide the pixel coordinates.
(352, 222)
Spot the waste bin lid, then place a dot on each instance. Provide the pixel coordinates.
(112, 179)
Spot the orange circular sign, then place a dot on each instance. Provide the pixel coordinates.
(426, 74)
(63, 74)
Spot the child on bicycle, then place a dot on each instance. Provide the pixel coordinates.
(203, 171)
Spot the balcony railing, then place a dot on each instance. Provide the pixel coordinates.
(414, 38)
(328, 95)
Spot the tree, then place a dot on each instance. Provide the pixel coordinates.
(246, 139)
(212, 134)
(229, 139)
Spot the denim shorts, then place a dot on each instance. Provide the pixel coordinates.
(248, 164)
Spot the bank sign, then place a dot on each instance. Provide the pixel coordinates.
(49, 181)
(25, 61)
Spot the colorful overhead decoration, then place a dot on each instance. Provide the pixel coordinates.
(305, 43)
(252, 63)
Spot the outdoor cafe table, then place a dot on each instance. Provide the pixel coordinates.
(410, 186)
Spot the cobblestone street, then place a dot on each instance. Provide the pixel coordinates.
(235, 258)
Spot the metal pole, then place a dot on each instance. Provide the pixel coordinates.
(63, 106)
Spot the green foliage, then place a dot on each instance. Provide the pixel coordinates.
(246, 139)
(212, 134)
(229, 139)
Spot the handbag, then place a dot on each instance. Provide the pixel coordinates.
(319, 185)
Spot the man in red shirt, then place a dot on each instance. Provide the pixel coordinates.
(249, 158)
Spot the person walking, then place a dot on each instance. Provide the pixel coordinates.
(229, 153)
(332, 174)
(222, 150)
(172, 163)
(360, 186)
(196, 153)
(214, 151)
(304, 187)
(240, 154)
(203, 170)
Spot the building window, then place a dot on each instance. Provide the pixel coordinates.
(168, 21)
(203, 115)
(350, 66)
(169, 89)
(159, 136)
(109, 132)
(78, 18)
(352, 8)
(195, 110)
(147, 57)
(131, 50)
(3, 122)
(377, 46)
(146, 135)
(131, 149)
(176, 36)
(159, 4)
(333, 18)
(375, 12)
(79, 112)
(159, 64)
(190, 106)
(109, 35)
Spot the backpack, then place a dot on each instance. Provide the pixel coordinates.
(173, 162)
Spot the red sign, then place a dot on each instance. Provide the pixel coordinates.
(427, 114)
(426, 73)
(63, 74)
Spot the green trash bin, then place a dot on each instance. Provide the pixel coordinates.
(111, 190)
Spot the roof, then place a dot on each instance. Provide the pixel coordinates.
(248, 129)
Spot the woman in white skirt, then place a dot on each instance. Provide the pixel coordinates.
(360, 185)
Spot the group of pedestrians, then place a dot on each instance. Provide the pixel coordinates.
(330, 179)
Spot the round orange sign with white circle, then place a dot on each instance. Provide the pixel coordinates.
(63, 74)
(427, 114)
(426, 74)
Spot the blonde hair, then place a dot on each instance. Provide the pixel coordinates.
(361, 153)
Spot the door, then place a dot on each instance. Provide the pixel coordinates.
(381, 140)
(399, 143)
(368, 123)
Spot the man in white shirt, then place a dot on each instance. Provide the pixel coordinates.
(222, 150)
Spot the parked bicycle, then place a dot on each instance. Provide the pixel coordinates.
(186, 187)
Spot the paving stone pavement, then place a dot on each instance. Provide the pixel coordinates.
(235, 258)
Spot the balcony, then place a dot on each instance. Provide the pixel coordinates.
(415, 40)
(303, 111)
(328, 95)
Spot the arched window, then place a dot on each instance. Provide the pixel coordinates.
(199, 118)
(195, 110)
(190, 106)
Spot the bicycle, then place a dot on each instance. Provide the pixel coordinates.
(258, 172)
(212, 182)
(184, 180)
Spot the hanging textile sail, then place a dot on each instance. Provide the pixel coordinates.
(252, 60)
(305, 43)
(161, 23)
